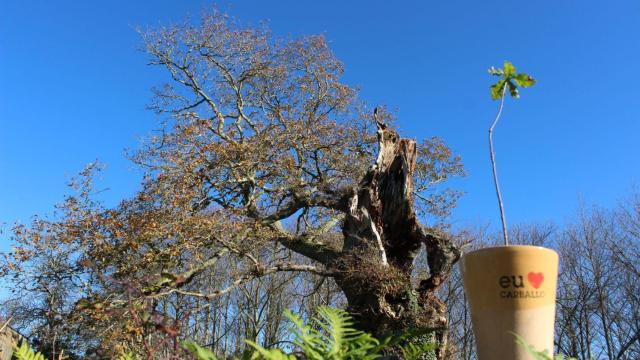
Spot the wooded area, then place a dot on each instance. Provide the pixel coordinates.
(597, 313)
(271, 187)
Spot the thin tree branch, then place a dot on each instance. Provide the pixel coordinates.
(258, 273)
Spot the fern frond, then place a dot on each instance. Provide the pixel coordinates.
(25, 352)
(336, 337)
(306, 338)
(128, 356)
(268, 354)
(538, 355)
(412, 351)
(337, 332)
(198, 351)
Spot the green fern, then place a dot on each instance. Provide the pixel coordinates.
(268, 354)
(331, 336)
(25, 352)
(128, 356)
(412, 351)
(335, 339)
(198, 351)
(538, 355)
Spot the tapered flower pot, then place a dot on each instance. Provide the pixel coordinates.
(511, 289)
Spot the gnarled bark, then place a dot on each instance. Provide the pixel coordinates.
(382, 238)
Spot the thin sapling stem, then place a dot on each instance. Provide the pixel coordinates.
(493, 165)
(509, 80)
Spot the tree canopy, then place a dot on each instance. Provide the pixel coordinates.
(266, 163)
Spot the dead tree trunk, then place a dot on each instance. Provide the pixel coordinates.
(382, 237)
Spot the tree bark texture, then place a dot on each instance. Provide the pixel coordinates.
(382, 237)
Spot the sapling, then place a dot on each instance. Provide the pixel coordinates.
(509, 80)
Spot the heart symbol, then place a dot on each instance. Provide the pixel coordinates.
(535, 279)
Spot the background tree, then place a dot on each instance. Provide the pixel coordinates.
(45, 279)
(597, 304)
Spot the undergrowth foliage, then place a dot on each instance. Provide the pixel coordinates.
(25, 352)
(539, 355)
(328, 336)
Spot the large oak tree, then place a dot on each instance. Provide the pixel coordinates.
(262, 148)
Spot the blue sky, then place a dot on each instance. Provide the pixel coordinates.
(73, 89)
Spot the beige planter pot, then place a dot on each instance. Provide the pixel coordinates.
(511, 289)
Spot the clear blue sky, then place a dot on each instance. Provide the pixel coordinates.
(73, 88)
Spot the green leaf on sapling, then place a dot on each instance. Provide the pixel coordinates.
(509, 69)
(496, 89)
(497, 72)
(524, 80)
(513, 89)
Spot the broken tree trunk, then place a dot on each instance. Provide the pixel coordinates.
(382, 237)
